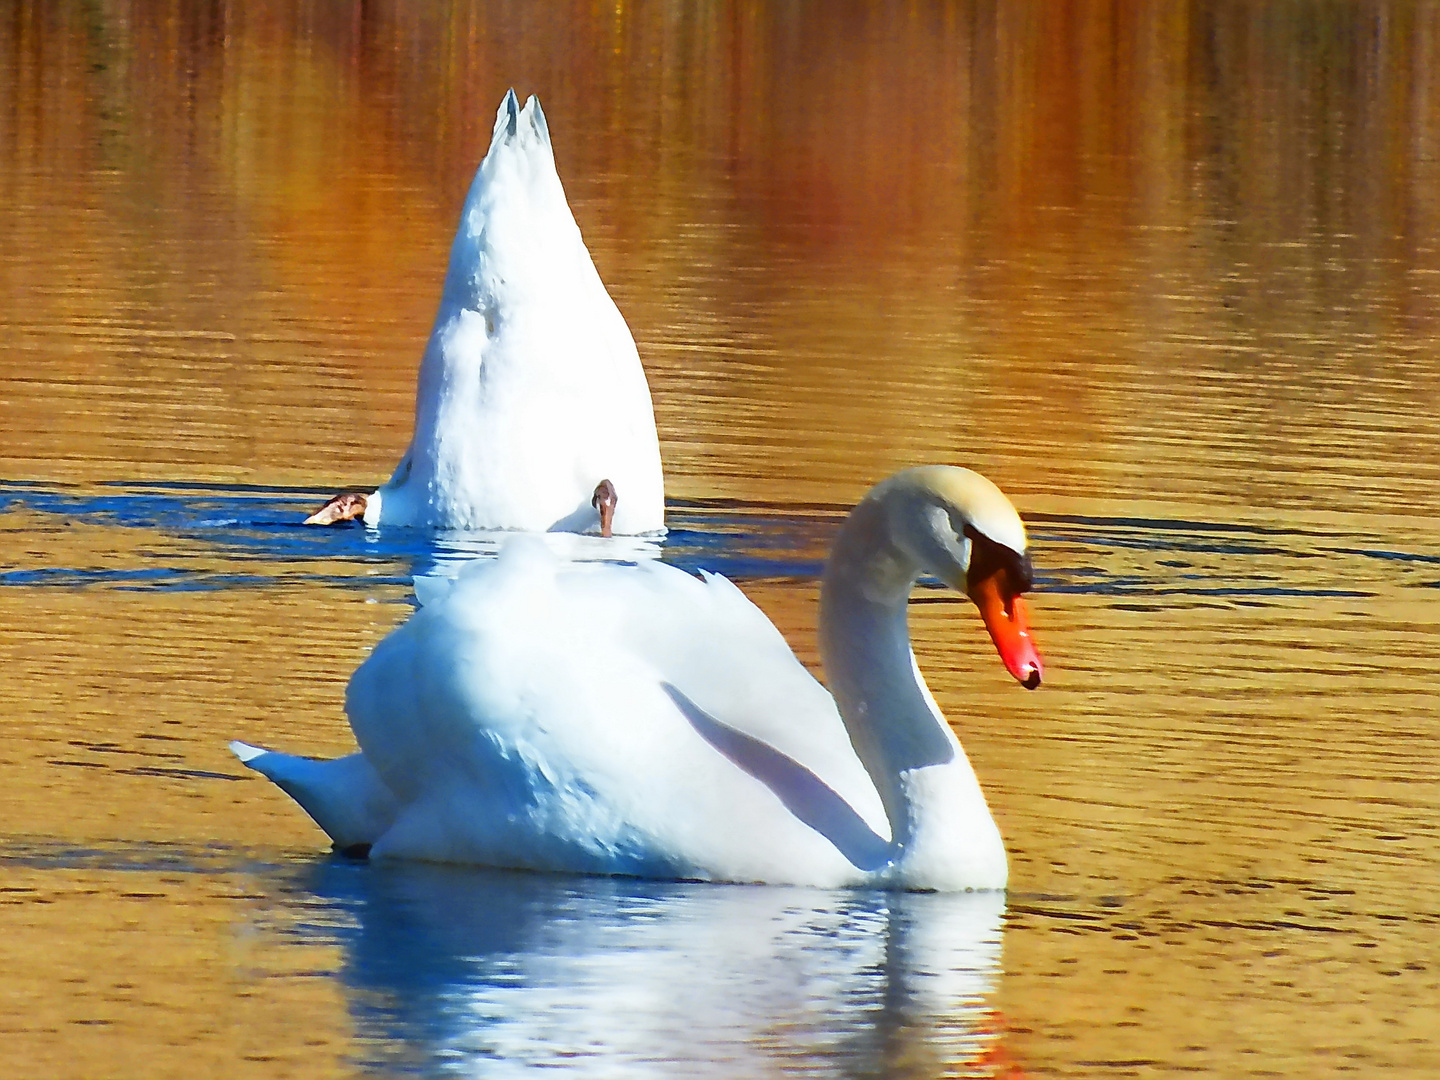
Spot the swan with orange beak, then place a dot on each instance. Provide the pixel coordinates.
(712, 753)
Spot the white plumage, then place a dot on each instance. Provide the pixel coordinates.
(633, 719)
(531, 391)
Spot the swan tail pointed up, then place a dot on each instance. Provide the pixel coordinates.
(507, 117)
(516, 236)
(537, 119)
(345, 797)
(514, 124)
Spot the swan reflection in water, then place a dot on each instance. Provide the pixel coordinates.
(492, 973)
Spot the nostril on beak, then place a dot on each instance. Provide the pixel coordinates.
(1033, 679)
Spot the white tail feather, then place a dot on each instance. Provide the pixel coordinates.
(345, 797)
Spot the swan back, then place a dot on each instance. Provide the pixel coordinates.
(609, 718)
(531, 390)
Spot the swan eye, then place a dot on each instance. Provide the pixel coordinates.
(988, 557)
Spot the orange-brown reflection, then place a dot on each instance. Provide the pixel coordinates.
(1221, 804)
(162, 980)
(120, 703)
(118, 709)
(1169, 260)
(1080, 248)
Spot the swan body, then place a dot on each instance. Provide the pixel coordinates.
(530, 393)
(633, 719)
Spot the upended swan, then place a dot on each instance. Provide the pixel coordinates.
(530, 393)
(633, 719)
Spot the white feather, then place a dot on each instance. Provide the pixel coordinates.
(531, 390)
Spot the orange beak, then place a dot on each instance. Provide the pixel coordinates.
(1004, 617)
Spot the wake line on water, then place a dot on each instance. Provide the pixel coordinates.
(258, 529)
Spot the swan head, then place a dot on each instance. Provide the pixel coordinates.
(960, 527)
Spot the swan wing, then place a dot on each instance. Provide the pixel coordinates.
(621, 719)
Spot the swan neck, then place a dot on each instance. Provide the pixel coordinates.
(865, 646)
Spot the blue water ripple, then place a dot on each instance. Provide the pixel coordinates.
(259, 529)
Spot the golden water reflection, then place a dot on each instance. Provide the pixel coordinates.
(1044, 213)
(1159, 263)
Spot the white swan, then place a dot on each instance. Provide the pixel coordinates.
(531, 393)
(620, 719)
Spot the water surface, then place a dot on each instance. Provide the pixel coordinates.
(1166, 274)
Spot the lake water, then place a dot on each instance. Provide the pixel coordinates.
(1167, 273)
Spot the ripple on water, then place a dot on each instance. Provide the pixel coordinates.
(448, 968)
(1224, 796)
(216, 537)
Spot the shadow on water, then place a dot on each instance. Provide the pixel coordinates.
(462, 968)
(257, 535)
